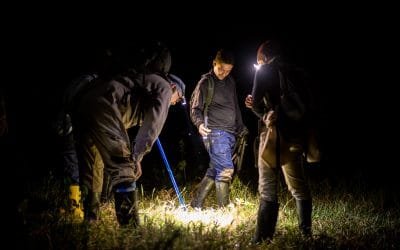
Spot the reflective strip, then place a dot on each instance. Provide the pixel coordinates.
(127, 189)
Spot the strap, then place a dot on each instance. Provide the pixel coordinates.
(210, 94)
(126, 187)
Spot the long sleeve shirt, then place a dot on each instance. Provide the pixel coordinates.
(223, 111)
(266, 90)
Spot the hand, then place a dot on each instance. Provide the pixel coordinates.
(138, 170)
(270, 118)
(203, 130)
(249, 101)
(243, 131)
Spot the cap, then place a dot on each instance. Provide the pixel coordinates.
(180, 86)
(179, 83)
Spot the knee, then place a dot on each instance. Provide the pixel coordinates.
(267, 196)
(268, 191)
(225, 175)
(301, 192)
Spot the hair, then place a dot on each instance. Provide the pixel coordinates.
(224, 56)
(269, 48)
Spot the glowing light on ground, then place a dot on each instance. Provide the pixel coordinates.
(221, 217)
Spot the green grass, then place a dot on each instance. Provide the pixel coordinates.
(344, 217)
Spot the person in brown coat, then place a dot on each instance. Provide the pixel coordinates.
(282, 144)
(102, 116)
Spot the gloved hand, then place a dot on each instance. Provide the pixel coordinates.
(270, 119)
(243, 131)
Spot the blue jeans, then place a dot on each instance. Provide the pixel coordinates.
(221, 144)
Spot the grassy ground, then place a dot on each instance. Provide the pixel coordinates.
(344, 217)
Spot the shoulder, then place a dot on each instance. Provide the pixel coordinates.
(269, 68)
(155, 81)
(205, 77)
(202, 83)
(267, 71)
(175, 78)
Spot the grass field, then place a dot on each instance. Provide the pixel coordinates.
(345, 216)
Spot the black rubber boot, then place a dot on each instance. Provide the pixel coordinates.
(204, 188)
(92, 206)
(266, 221)
(107, 192)
(222, 191)
(126, 208)
(304, 210)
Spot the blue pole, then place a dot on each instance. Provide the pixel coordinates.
(171, 175)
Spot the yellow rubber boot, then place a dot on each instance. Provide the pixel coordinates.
(76, 207)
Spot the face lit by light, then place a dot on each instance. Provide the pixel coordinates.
(261, 59)
(222, 70)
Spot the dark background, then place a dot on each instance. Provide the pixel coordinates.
(46, 51)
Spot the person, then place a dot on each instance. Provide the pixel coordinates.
(218, 119)
(105, 66)
(65, 142)
(101, 119)
(282, 140)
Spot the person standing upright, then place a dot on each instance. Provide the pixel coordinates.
(215, 111)
(282, 142)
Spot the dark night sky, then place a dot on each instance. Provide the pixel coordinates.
(46, 51)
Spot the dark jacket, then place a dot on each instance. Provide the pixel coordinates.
(128, 100)
(267, 95)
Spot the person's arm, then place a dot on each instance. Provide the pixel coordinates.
(154, 116)
(197, 103)
(259, 93)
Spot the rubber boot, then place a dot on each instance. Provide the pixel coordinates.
(304, 210)
(92, 206)
(106, 193)
(222, 191)
(266, 221)
(204, 188)
(75, 205)
(126, 206)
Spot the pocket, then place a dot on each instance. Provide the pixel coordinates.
(220, 148)
(219, 143)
